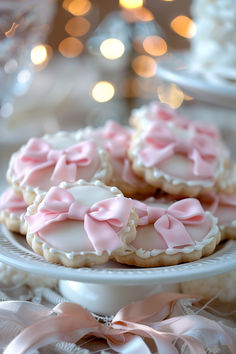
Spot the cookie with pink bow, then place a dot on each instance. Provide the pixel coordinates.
(153, 112)
(12, 211)
(180, 157)
(170, 232)
(48, 161)
(223, 206)
(81, 224)
(116, 140)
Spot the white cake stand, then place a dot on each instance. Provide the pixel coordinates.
(105, 289)
(175, 68)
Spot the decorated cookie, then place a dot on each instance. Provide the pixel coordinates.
(171, 233)
(223, 206)
(155, 111)
(181, 159)
(227, 184)
(116, 140)
(81, 224)
(12, 211)
(46, 162)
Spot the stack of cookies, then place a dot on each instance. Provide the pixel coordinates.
(160, 192)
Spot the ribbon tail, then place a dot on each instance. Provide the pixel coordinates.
(133, 345)
(201, 167)
(101, 235)
(64, 171)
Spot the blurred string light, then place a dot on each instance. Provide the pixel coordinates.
(131, 4)
(77, 26)
(38, 54)
(70, 47)
(183, 26)
(103, 91)
(188, 98)
(155, 45)
(170, 94)
(144, 66)
(77, 7)
(112, 48)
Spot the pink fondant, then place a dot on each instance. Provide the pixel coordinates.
(62, 165)
(160, 111)
(161, 144)
(171, 222)
(222, 206)
(116, 140)
(12, 203)
(102, 221)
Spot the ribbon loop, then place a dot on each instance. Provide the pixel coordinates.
(169, 223)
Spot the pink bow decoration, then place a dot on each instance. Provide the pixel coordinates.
(169, 223)
(126, 333)
(10, 201)
(117, 139)
(162, 144)
(38, 155)
(166, 114)
(102, 221)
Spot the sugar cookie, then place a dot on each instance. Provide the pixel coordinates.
(80, 224)
(180, 159)
(171, 233)
(12, 211)
(47, 161)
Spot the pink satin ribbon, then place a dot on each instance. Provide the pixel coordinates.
(38, 155)
(169, 223)
(102, 221)
(9, 201)
(162, 144)
(126, 333)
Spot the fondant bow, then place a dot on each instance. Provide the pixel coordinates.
(127, 332)
(38, 155)
(117, 139)
(163, 144)
(166, 114)
(12, 202)
(102, 221)
(169, 223)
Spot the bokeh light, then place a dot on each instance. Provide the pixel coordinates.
(144, 66)
(170, 94)
(38, 54)
(112, 48)
(77, 26)
(183, 26)
(77, 7)
(131, 4)
(155, 45)
(103, 91)
(138, 14)
(70, 47)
